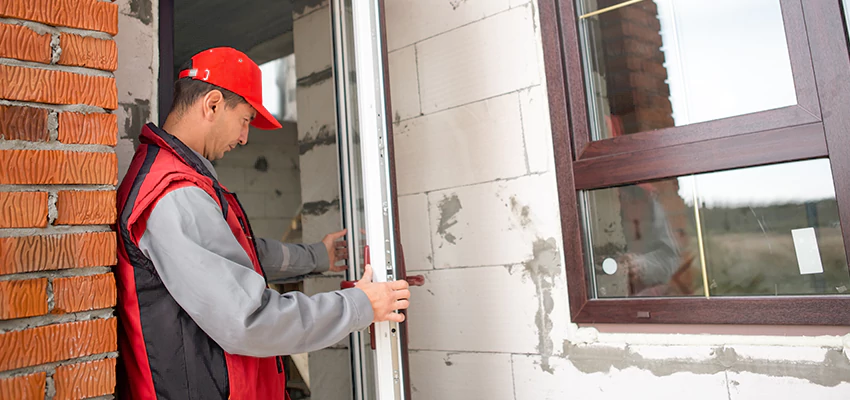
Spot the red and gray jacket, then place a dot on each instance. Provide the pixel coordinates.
(187, 311)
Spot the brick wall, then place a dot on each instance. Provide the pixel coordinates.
(58, 172)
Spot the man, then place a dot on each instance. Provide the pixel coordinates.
(197, 318)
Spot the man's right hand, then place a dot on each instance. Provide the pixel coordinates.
(386, 297)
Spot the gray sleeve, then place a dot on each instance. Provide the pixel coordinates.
(285, 261)
(210, 276)
(662, 259)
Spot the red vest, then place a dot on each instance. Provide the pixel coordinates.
(163, 353)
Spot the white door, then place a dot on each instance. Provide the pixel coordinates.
(378, 357)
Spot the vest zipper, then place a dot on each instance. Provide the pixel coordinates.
(279, 360)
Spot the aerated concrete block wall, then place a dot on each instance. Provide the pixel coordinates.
(480, 219)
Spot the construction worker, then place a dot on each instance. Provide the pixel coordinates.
(197, 320)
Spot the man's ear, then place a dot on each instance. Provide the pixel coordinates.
(212, 101)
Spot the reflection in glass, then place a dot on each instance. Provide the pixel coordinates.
(663, 63)
(644, 239)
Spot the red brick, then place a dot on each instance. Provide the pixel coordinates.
(59, 342)
(23, 123)
(81, 381)
(641, 33)
(83, 293)
(88, 128)
(23, 209)
(84, 14)
(23, 298)
(88, 52)
(46, 253)
(57, 87)
(86, 208)
(25, 44)
(57, 167)
(27, 387)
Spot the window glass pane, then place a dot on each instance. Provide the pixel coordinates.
(643, 240)
(771, 230)
(664, 63)
(845, 9)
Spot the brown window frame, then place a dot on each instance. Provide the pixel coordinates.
(818, 126)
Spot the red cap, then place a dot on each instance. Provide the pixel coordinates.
(231, 69)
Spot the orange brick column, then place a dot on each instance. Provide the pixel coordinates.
(58, 172)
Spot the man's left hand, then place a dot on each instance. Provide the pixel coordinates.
(337, 249)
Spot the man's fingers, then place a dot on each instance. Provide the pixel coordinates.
(395, 317)
(399, 285)
(402, 304)
(401, 294)
(367, 274)
(338, 235)
(341, 244)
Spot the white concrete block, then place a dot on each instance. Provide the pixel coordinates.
(748, 385)
(440, 375)
(410, 21)
(269, 228)
(124, 150)
(330, 375)
(250, 156)
(316, 109)
(137, 72)
(404, 83)
(493, 223)
(315, 227)
(232, 178)
(415, 232)
(564, 380)
(138, 48)
(488, 58)
(303, 8)
(490, 309)
(284, 181)
(320, 174)
(286, 136)
(537, 129)
(313, 44)
(240, 157)
(254, 204)
(475, 143)
(285, 205)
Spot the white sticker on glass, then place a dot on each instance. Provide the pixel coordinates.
(609, 265)
(806, 246)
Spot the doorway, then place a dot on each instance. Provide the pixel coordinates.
(306, 180)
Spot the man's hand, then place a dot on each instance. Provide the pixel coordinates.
(386, 297)
(337, 249)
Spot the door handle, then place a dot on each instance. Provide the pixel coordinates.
(412, 280)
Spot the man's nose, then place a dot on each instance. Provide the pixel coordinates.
(243, 138)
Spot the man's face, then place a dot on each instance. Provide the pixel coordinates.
(229, 130)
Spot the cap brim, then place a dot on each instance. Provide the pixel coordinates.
(264, 119)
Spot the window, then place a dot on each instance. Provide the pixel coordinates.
(703, 159)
